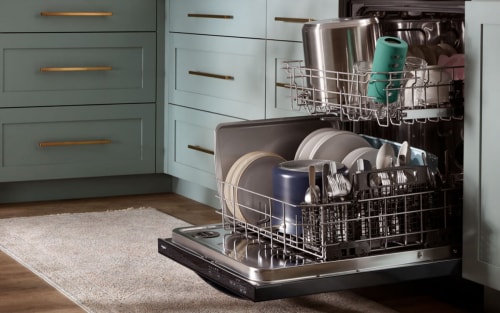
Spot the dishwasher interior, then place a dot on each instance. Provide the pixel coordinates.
(362, 225)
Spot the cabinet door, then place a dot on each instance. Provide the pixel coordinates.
(77, 69)
(225, 75)
(191, 144)
(77, 141)
(41, 16)
(244, 18)
(481, 239)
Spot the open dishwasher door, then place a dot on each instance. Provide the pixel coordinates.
(374, 236)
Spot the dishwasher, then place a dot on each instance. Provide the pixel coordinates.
(357, 226)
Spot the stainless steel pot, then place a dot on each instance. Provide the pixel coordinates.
(335, 45)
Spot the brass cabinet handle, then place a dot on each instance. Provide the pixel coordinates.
(47, 13)
(216, 16)
(201, 149)
(76, 69)
(45, 144)
(205, 74)
(293, 20)
(283, 85)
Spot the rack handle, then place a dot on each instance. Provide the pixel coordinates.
(215, 16)
(45, 144)
(76, 69)
(51, 13)
(293, 19)
(201, 149)
(205, 74)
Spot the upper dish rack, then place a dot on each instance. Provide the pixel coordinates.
(425, 95)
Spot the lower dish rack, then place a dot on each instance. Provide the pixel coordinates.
(387, 210)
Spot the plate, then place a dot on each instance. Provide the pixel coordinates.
(307, 141)
(385, 156)
(252, 179)
(229, 187)
(366, 153)
(336, 146)
(308, 144)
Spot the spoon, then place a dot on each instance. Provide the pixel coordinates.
(312, 193)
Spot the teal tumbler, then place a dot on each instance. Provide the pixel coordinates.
(389, 59)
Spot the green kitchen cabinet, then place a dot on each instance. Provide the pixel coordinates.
(82, 96)
(75, 69)
(77, 141)
(43, 16)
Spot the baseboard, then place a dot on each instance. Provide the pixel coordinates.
(84, 188)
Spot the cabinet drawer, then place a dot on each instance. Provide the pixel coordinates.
(67, 142)
(278, 96)
(286, 17)
(77, 15)
(191, 144)
(83, 68)
(218, 74)
(244, 18)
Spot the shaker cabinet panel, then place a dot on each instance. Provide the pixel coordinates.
(244, 18)
(279, 97)
(286, 17)
(191, 144)
(481, 257)
(77, 15)
(82, 141)
(82, 68)
(218, 74)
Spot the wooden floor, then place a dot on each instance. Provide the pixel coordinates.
(22, 291)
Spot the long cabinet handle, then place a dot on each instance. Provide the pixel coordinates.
(215, 16)
(49, 13)
(283, 85)
(201, 149)
(205, 74)
(76, 69)
(45, 144)
(292, 19)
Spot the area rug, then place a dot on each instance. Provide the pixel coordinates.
(108, 262)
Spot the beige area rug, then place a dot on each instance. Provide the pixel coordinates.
(108, 262)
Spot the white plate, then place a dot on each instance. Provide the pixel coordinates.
(255, 186)
(307, 139)
(253, 172)
(311, 140)
(229, 186)
(385, 156)
(366, 153)
(336, 146)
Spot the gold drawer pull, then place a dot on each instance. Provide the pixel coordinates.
(200, 149)
(46, 13)
(76, 69)
(283, 85)
(45, 144)
(225, 77)
(293, 20)
(216, 16)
